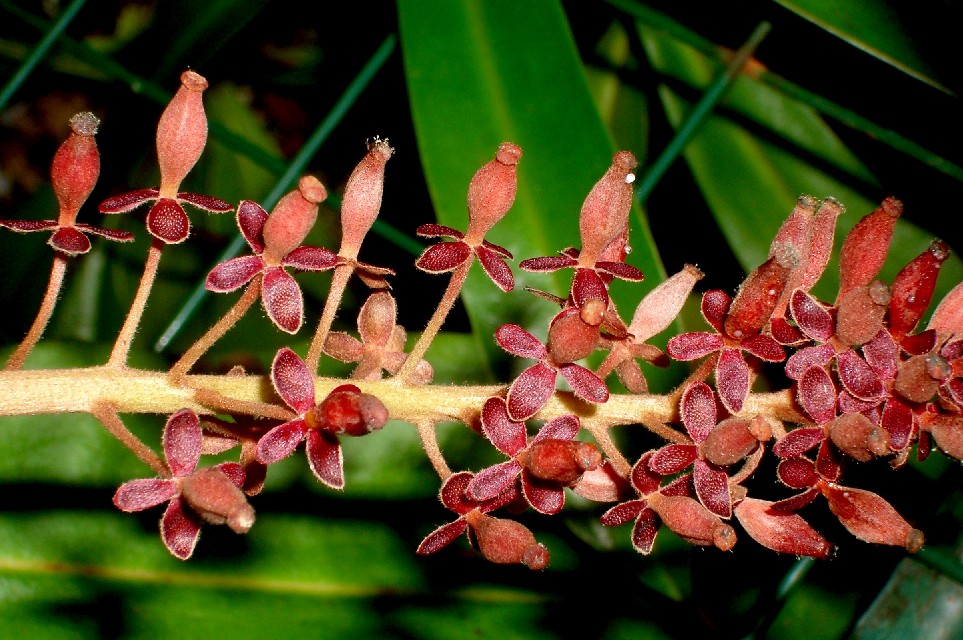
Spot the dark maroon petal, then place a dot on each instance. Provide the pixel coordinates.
(588, 285)
(491, 481)
(494, 265)
(530, 391)
(180, 528)
(715, 306)
(452, 493)
(882, 355)
(443, 257)
(732, 379)
(511, 495)
(813, 319)
(672, 458)
(280, 442)
(293, 381)
(548, 263)
(561, 428)
(207, 203)
(311, 259)
(182, 442)
(519, 342)
(764, 347)
(233, 273)
(807, 357)
(621, 270)
(817, 394)
(798, 441)
(69, 241)
(785, 333)
(644, 532)
(681, 486)
(250, 220)
(127, 201)
(167, 221)
(622, 513)
(780, 531)
(234, 472)
(325, 458)
(138, 495)
(858, 378)
(545, 497)
(507, 435)
(848, 403)
(497, 249)
(918, 344)
(110, 234)
(282, 299)
(698, 408)
(585, 384)
(796, 502)
(438, 230)
(643, 478)
(712, 488)
(898, 422)
(797, 473)
(441, 537)
(827, 464)
(25, 226)
(693, 345)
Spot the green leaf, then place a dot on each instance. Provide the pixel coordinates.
(477, 76)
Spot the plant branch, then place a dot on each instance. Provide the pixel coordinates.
(57, 271)
(108, 416)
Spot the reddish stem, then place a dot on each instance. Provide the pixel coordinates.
(57, 271)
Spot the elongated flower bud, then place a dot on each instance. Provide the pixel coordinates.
(491, 192)
(181, 133)
(948, 317)
(507, 541)
(692, 522)
(76, 166)
(362, 197)
(757, 298)
(659, 308)
(216, 498)
(605, 212)
(561, 460)
(913, 289)
(292, 219)
(822, 234)
(865, 248)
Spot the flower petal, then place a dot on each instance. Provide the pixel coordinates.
(206, 203)
(167, 221)
(234, 273)
(644, 531)
(325, 458)
(857, 376)
(530, 391)
(764, 348)
(127, 201)
(813, 319)
(292, 380)
(137, 495)
(561, 428)
(311, 259)
(817, 394)
(443, 257)
(182, 442)
(622, 513)
(545, 497)
(807, 357)
(496, 268)
(712, 488)
(250, 220)
(110, 234)
(180, 529)
(585, 384)
(549, 263)
(438, 230)
(693, 345)
(441, 537)
(798, 441)
(620, 270)
(506, 434)
(518, 342)
(672, 458)
(698, 408)
(282, 299)
(25, 226)
(491, 481)
(452, 493)
(69, 241)
(732, 379)
(280, 442)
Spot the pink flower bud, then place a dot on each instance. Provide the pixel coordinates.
(491, 192)
(76, 166)
(947, 431)
(756, 300)
(860, 313)
(858, 437)
(870, 518)
(570, 338)
(181, 133)
(822, 233)
(692, 522)
(605, 212)
(348, 411)
(913, 289)
(362, 197)
(948, 317)
(781, 531)
(506, 541)
(914, 380)
(215, 497)
(292, 219)
(561, 461)
(866, 245)
(729, 442)
(659, 308)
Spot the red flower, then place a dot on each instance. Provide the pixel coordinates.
(74, 172)
(274, 240)
(551, 461)
(209, 494)
(532, 389)
(345, 411)
(181, 137)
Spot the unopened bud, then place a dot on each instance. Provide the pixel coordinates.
(605, 212)
(914, 380)
(217, 499)
(491, 192)
(348, 411)
(913, 289)
(756, 300)
(870, 518)
(866, 245)
(76, 166)
(860, 313)
(507, 541)
(570, 338)
(692, 521)
(855, 435)
(659, 308)
(729, 442)
(948, 317)
(561, 461)
(292, 219)
(181, 133)
(362, 197)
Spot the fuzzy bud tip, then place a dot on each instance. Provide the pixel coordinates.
(84, 124)
(312, 190)
(508, 153)
(193, 81)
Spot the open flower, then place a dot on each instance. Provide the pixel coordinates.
(74, 172)
(181, 137)
(209, 494)
(345, 411)
(275, 241)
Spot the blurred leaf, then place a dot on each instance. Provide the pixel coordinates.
(874, 26)
(477, 77)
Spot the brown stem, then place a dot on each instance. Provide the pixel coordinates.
(118, 356)
(220, 402)
(54, 284)
(429, 440)
(455, 285)
(339, 281)
(108, 416)
(602, 436)
(216, 332)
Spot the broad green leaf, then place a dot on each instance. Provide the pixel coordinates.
(877, 27)
(478, 76)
